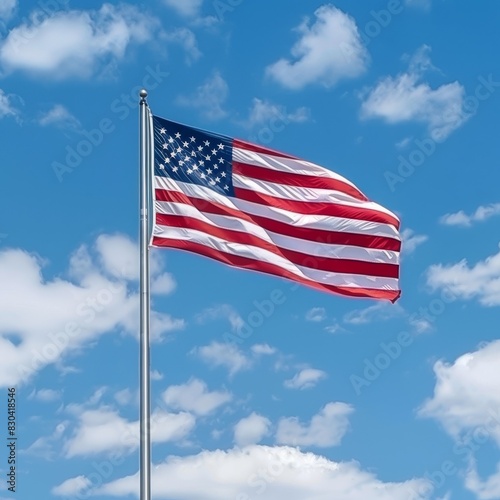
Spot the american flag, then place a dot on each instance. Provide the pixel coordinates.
(259, 209)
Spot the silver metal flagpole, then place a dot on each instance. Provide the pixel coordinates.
(145, 427)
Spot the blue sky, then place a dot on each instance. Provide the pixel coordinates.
(261, 390)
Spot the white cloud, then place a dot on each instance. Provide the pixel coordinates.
(264, 112)
(251, 430)
(7, 8)
(223, 311)
(119, 256)
(103, 430)
(209, 97)
(410, 240)
(156, 375)
(45, 446)
(187, 8)
(334, 328)
(466, 395)
(227, 355)
(420, 324)
(92, 40)
(195, 397)
(6, 106)
(405, 98)
(302, 475)
(263, 349)
(378, 312)
(187, 39)
(316, 314)
(481, 281)
(45, 395)
(124, 397)
(305, 379)
(65, 315)
(72, 487)
(403, 143)
(326, 429)
(329, 50)
(163, 284)
(59, 116)
(481, 214)
(484, 490)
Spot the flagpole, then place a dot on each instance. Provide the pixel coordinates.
(145, 398)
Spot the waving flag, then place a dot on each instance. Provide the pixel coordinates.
(259, 209)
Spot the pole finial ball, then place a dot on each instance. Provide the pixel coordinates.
(143, 93)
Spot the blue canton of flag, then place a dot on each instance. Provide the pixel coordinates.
(194, 156)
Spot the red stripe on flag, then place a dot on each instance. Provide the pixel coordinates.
(299, 180)
(267, 268)
(344, 266)
(305, 233)
(312, 208)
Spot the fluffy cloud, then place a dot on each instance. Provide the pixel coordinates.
(195, 397)
(92, 40)
(263, 349)
(104, 431)
(6, 106)
(316, 314)
(466, 396)
(411, 240)
(406, 98)
(226, 355)
(72, 487)
(120, 257)
(466, 402)
(268, 473)
(251, 430)
(329, 50)
(59, 116)
(481, 214)
(186, 39)
(7, 8)
(45, 447)
(209, 97)
(480, 281)
(264, 112)
(65, 314)
(45, 395)
(484, 490)
(223, 311)
(326, 429)
(187, 8)
(378, 312)
(305, 379)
